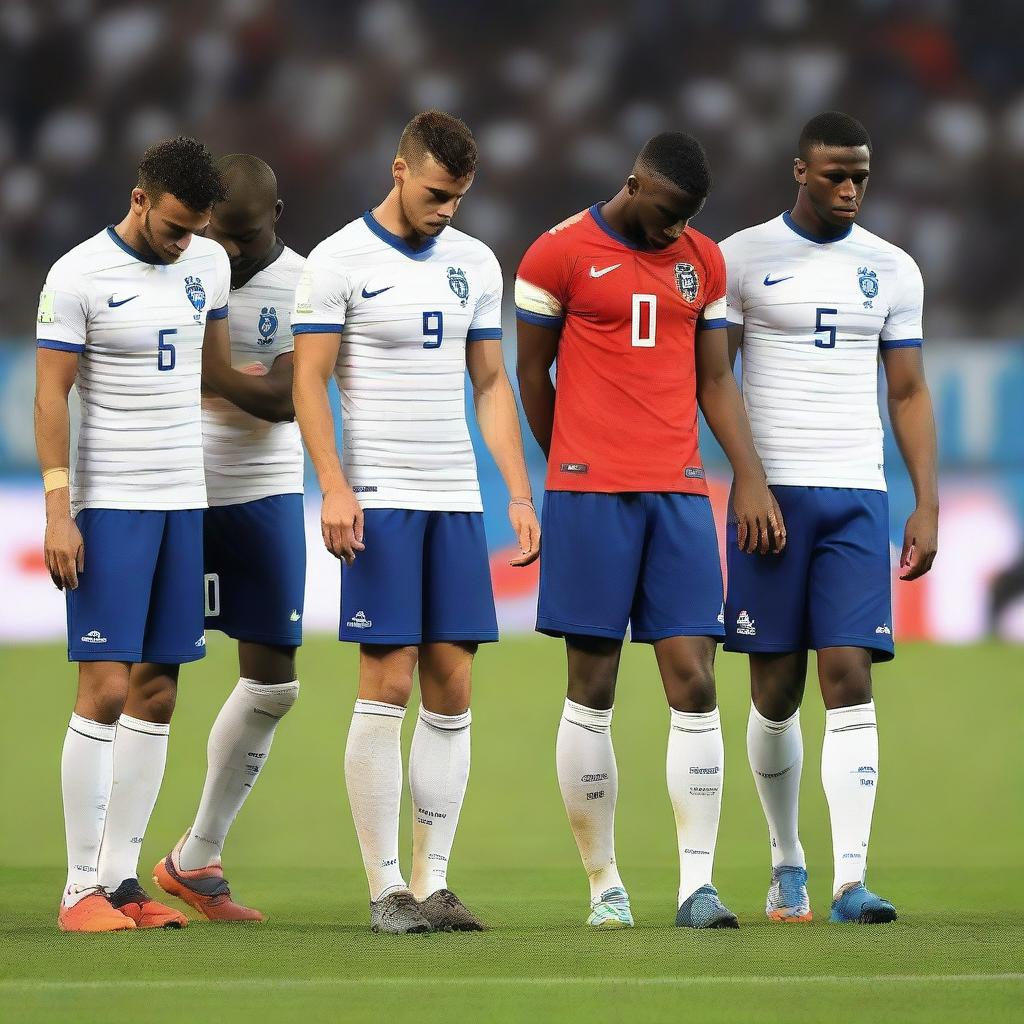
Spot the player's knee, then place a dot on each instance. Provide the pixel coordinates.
(845, 680)
(156, 705)
(102, 691)
(386, 674)
(692, 689)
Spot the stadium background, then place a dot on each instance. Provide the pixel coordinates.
(560, 97)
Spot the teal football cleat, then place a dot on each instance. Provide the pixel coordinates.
(787, 895)
(703, 909)
(857, 905)
(610, 911)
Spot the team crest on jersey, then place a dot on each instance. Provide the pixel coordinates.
(868, 281)
(687, 281)
(458, 283)
(267, 325)
(196, 292)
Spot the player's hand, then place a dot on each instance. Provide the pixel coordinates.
(63, 552)
(920, 543)
(523, 518)
(759, 523)
(341, 523)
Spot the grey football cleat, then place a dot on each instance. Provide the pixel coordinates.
(398, 913)
(447, 913)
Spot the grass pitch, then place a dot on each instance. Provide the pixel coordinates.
(946, 848)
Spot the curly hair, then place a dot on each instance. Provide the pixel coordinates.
(681, 159)
(447, 139)
(185, 168)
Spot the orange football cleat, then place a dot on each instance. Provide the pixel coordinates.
(134, 902)
(93, 913)
(204, 889)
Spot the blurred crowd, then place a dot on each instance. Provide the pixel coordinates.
(560, 97)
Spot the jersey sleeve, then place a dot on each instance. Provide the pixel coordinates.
(486, 323)
(902, 327)
(284, 341)
(219, 299)
(321, 297)
(732, 255)
(542, 283)
(63, 314)
(712, 316)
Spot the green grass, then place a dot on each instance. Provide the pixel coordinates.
(946, 848)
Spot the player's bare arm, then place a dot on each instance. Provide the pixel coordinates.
(341, 517)
(759, 525)
(63, 549)
(735, 332)
(913, 423)
(267, 396)
(498, 418)
(536, 349)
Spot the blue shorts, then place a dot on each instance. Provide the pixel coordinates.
(830, 587)
(649, 560)
(425, 577)
(140, 596)
(255, 556)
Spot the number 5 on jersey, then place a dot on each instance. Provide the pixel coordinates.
(166, 357)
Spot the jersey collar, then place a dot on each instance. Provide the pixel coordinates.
(595, 212)
(395, 241)
(793, 226)
(121, 243)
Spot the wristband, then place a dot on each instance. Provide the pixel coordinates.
(55, 479)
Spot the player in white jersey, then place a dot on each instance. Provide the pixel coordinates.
(398, 305)
(254, 539)
(124, 317)
(814, 301)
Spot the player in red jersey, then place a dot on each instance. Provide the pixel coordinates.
(631, 301)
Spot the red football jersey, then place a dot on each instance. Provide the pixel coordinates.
(625, 388)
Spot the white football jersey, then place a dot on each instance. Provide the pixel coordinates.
(248, 458)
(405, 317)
(815, 315)
(138, 327)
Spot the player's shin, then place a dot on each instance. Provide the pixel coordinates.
(776, 754)
(849, 774)
(588, 778)
(86, 770)
(694, 769)
(438, 774)
(236, 752)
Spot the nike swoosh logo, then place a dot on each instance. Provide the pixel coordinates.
(370, 295)
(769, 282)
(594, 272)
(112, 304)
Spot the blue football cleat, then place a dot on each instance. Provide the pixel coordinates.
(703, 909)
(610, 911)
(857, 905)
(787, 895)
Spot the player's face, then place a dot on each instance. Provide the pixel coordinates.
(834, 180)
(168, 224)
(660, 210)
(246, 231)
(429, 194)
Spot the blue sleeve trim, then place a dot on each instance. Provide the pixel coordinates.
(901, 343)
(712, 325)
(317, 328)
(733, 323)
(483, 334)
(539, 318)
(219, 313)
(60, 346)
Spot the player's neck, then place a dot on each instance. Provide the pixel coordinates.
(804, 217)
(615, 216)
(390, 216)
(129, 233)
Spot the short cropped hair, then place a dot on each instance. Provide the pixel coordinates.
(681, 159)
(832, 128)
(185, 168)
(447, 139)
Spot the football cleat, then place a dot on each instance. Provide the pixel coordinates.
(856, 905)
(203, 889)
(703, 909)
(610, 911)
(445, 912)
(93, 913)
(398, 913)
(787, 895)
(133, 901)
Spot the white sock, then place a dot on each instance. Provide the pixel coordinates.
(373, 776)
(849, 773)
(694, 768)
(438, 773)
(140, 753)
(776, 754)
(589, 782)
(235, 754)
(86, 770)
